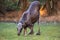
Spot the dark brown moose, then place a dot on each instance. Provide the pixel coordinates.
(29, 17)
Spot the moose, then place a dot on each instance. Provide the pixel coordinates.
(29, 18)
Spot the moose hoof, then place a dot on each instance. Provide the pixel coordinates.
(31, 33)
(37, 33)
(18, 34)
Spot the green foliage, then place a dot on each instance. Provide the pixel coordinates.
(41, 1)
(10, 5)
(49, 31)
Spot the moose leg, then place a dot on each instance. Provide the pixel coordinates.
(38, 33)
(31, 29)
(25, 31)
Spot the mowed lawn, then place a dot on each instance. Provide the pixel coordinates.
(8, 31)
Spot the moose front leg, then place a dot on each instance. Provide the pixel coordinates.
(25, 31)
(31, 29)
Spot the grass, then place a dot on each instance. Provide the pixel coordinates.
(48, 32)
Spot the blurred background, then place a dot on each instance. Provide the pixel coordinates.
(11, 10)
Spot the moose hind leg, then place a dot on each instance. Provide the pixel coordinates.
(38, 33)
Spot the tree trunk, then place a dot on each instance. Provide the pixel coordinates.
(2, 7)
(22, 4)
(51, 6)
(48, 7)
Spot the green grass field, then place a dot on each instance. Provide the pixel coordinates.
(49, 31)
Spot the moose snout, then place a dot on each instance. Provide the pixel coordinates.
(19, 31)
(18, 34)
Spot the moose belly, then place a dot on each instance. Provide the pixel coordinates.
(34, 19)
